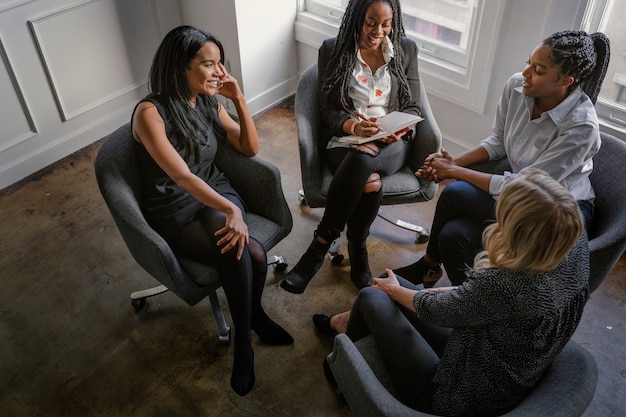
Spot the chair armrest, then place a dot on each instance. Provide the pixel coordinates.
(308, 125)
(365, 394)
(566, 389)
(258, 182)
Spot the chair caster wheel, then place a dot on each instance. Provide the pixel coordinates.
(138, 303)
(280, 267)
(301, 198)
(336, 257)
(224, 339)
(278, 262)
(422, 237)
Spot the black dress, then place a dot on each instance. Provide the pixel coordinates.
(167, 206)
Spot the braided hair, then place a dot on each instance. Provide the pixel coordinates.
(168, 81)
(583, 56)
(343, 57)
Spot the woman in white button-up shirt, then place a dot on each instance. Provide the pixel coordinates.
(545, 119)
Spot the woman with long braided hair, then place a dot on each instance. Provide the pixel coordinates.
(545, 119)
(367, 71)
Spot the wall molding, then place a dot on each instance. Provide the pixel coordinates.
(4, 58)
(10, 4)
(73, 102)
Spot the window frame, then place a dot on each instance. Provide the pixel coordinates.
(611, 114)
(463, 82)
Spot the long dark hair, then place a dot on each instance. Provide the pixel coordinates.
(168, 81)
(343, 57)
(583, 56)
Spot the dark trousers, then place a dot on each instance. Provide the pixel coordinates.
(463, 211)
(346, 203)
(410, 348)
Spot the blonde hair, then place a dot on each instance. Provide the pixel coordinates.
(537, 223)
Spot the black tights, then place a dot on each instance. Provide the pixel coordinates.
(242, 280)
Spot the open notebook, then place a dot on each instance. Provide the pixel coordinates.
(389, 123)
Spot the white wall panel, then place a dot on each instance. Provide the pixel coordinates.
(84, 54)
(9, 4)
(15, 118)
(71, 72)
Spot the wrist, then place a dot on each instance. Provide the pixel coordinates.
(353, 128)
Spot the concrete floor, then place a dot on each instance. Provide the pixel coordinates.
(72, 345)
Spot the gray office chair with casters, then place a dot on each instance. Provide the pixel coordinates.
(400, 188)
(257, 181)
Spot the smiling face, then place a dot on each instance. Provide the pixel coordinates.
(204, 70)
(376, 25)
(543, 79)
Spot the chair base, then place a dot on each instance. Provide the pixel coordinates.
(421, 234)
(138, 301)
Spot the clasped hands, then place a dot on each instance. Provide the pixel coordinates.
(437, 167)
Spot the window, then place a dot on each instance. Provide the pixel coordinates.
(456, 40)
(607, 16)
(443, 29)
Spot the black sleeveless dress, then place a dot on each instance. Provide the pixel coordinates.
(167, 206)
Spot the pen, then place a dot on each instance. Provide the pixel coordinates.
(365, 119)
(360, 116)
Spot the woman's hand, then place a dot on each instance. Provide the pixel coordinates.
(387, 284)
(394, 137)
(229, 87)
(234, 233)
(443, 167)
(441, 160)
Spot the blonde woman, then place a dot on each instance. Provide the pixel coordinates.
(480, 348)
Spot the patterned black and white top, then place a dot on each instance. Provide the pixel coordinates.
(508, 327)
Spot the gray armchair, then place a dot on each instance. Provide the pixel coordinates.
(400, 188)
(565, 390)
(607, 235)
(257, 181)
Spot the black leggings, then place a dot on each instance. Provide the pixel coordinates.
(346, 203)
(243, 280)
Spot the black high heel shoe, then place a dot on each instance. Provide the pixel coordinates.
(322, 323)
(299, 277)
(360, 273)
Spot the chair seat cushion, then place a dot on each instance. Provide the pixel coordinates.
(403, 182)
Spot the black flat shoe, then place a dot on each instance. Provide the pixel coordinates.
(322, 323)
(420, 273)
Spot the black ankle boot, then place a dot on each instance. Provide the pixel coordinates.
(298, 278)
(360, 272)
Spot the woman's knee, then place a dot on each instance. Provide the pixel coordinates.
(374, 183)
(371, 299)
(257, 253)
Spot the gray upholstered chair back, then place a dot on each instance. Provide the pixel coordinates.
(402, 187)
(256, 180)
(565, 390)
(607, 235)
